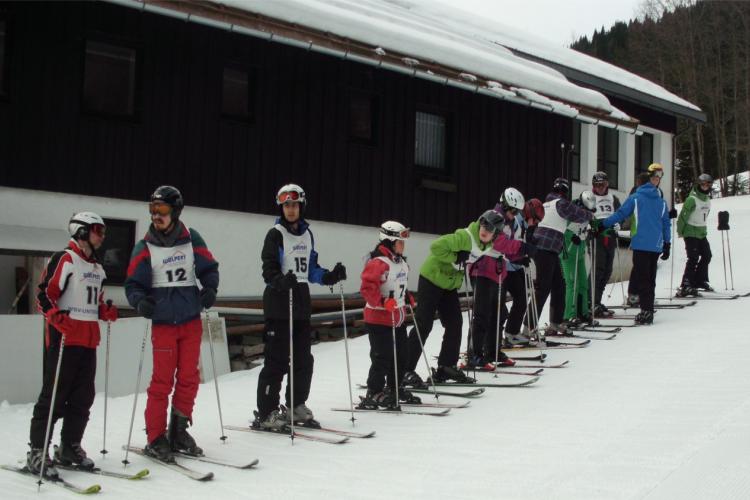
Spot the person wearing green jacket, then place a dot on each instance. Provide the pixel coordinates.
(573, 265)
(692, 226)
(440, 278)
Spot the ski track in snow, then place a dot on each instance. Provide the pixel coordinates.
(661, 412)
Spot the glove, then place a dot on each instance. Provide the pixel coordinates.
(723, 221)
(673, 213)
(524, 261)
(208, 298)
(390, 304)
(528, 249)
(665, 251)
(60, 320)
(616, 227)
(410, 298)
(146, 307)
(575, 239)
(287, 281)
(462, 256)
(108, 312)
(340, 271)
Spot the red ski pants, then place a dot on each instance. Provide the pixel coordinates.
(176, 348)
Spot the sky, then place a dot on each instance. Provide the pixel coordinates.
(560, 22)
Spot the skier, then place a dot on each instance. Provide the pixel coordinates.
(606, 243)
(533, 213)
(71, 299)
(440, 277)
(290, 262)
(692, 227)
(548, 237)
(384, 287)
(651, 237)
(573, 262)
(162, 285)
(633, 299)
(487, 274)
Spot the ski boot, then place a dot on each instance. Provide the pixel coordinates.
(557, 330)
(72, 455)
(179, 439)
(407, 397)
(303, 416)
(634, 300)
(276, 421)
(687, 291)
(412, 379)
(644, 318)
(601, 311)
(588, 320)
(160, 449)
(516, 340)
(377, 400)
(478, 363)
(504, 360)
(445, 374)
(706, 286)
(34, 459)
(571, 324)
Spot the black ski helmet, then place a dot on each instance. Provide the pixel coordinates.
(561, 185)
(599, 178)
(172, 197)
(492, 221)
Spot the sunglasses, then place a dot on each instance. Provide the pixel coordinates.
(158, 208)
(99, 230)
(404, 233)
(288, 196)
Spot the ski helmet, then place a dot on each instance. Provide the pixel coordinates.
(534, 209)
(393, 231)
(588, 200)
(511, 199)
(561, 185)
(172, 197)
(291, 193)
(655, 170)
(705, 178)
(599, 178)
(79, 226)
(492, 221)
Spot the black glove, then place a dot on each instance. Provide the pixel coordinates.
(287, 281)
(528, 249)
(575, 239)
(462, 256)
(673, 213)
(723, 221)
(146, 307)
(335, 275)
(665, 251)
(595, 229)
(524, 261)
(208, 297)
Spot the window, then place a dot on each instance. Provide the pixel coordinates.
(363, 118)
(3, 50)
(109, 81)
(574, 158)
(430, 138)
(607, 154)
(644, 153)
(238, 93)
(114, 254)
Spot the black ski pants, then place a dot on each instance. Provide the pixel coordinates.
(644, 269)
(381, 356)
(514, 284)
(698, 258)
(431, 299)
(276, 364)
(633, 284)
(75, 393)
(549, 283)
(484, 321)
(605, 257)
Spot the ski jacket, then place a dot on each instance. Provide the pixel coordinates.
(505, 243)
(167, 268)
(71, 298)
(651, 225)
(276, 262)
(558, 210)
(383, 274)
(692, 221)
(517, 230)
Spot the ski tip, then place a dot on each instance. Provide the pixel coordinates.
(206, 477)
(95, 488)
(141, 474)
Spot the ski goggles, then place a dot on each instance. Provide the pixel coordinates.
(403, 234)
(288, 196)
(159, 208)
(508, 208)
(657, 173)
(99, 230)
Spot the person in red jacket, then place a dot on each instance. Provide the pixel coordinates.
(384, 282)
(71, 299)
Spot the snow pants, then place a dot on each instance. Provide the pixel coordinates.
(176, 351)
(549, 283)
(573, 262)
(381, 356)
(276, 365)
(484, 321)
(644, 270)
(698, 257)
(514, 284)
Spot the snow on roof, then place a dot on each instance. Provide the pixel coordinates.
(423, 31)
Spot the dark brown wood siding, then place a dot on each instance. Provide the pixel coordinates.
(299, 133)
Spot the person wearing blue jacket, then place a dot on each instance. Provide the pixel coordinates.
(651, 237)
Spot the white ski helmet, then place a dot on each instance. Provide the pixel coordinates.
(291, 192)
(588, 200)
(393, 231)
(512, 199)
(80, 224)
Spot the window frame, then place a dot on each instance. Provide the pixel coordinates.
(375, 121)
(116, 275)
(639, 165)
(136, 114)
(575, 153)
(252, 93)
(602, 163)
(441, 173)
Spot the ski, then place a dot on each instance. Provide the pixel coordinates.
(340, 432)
(437, 405)
(177, 467)
(441, 413)
(59, 481)
(287, 433)
(540, 357)
(557, 365)
(103, 472)
(490, 384)
(552, 346)
(580, 333)
(703, 297)
(656, 306)
(496, 369)
(466, 394)
(216, 461)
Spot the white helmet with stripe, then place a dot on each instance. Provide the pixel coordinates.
(393, 231)
(80, 224)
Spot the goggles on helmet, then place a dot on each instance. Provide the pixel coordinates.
(98, 230)
(404, 233)
(288, 196)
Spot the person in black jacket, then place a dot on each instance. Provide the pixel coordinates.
(290, 262)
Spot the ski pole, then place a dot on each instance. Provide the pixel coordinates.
(729, 250)
(575, 278)
(535, 306)
(619, 268)
(724, 260)
(671, 272)
(106, 385)
(593, 279)
(346, 349)
(135, 396)
(51, 412)
(395, 359)
(424, 353)
(291, 362)
(223, 437)
(497, 319)
(469, 311)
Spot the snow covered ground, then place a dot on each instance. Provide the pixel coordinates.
(661, 412)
